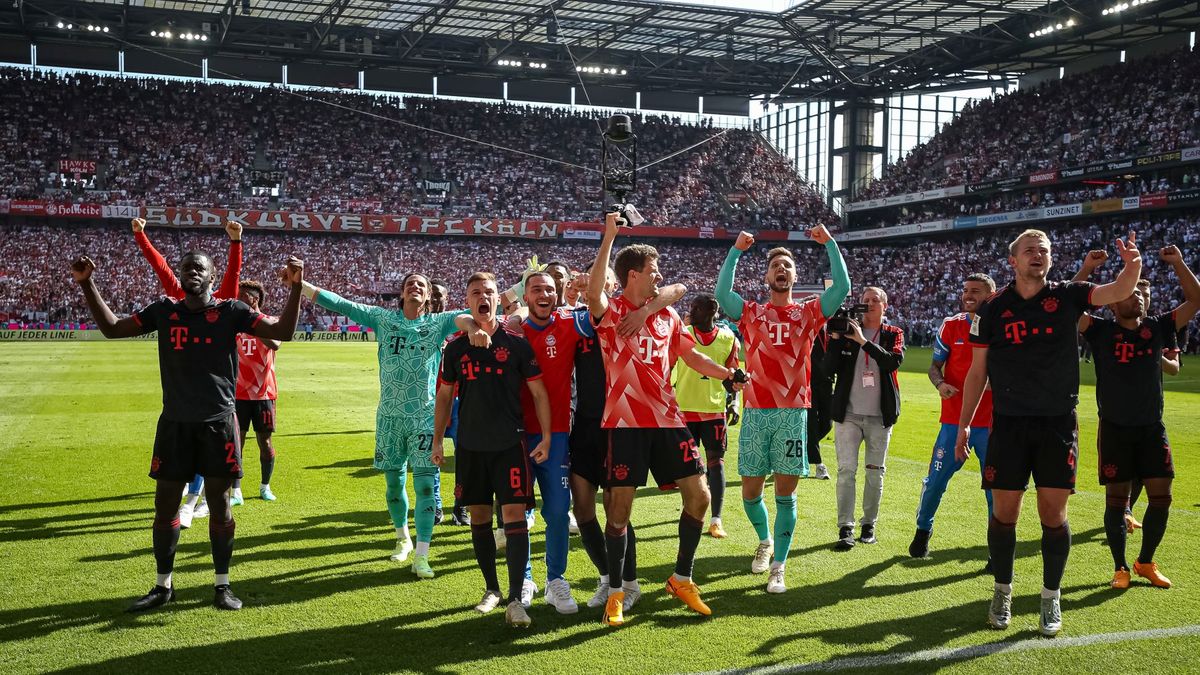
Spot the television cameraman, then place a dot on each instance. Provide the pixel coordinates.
(865, 353)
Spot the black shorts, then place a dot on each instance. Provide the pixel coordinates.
(710, 435)
(670, 454)
(588, 447)
(1046, 447)
(259, 413)
(184, 449)
(485, 478)
(1128, 452)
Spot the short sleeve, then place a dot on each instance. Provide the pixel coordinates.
(528, 362)
(449, 371)
(981, 326)
(582, 318)
(941, 344)
(1080, 294)
(147, 317)
(244, 318)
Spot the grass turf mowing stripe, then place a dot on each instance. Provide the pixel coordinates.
(962, 653)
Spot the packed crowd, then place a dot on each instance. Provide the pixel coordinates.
(1109, 188)
(922, 277)
(176, 143)
(1126, 109)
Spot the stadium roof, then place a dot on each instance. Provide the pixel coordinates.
(831, 47)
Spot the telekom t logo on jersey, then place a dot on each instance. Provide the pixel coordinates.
(179, 336)
(778, 332)
(249, 347)
(1123, 351)
(1015, 332)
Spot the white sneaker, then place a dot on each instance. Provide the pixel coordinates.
(558, 596)
(1000, 611)
(185, 516)
(1050, 622)
(601, 596)
(201, 510)
(528, 590)
(632, 595)
(822, 472)
(403, 548)
(762, 557)
(501, 539)
(516, 615)
(572, 526)
(491, 600)
(775, 583)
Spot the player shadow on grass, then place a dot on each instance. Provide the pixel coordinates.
(325, 433)
(73, 502)
(457, 638)
(73, 525)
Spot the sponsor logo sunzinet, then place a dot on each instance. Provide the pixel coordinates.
(1065, 210)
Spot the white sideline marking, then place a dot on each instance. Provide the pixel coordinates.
(960, 653)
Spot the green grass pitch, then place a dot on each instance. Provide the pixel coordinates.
(76, 424)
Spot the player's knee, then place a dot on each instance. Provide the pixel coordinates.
(1161, 501)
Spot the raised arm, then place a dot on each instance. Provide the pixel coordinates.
(1126, 282)
(233, 267)
(1188, 282)
(632, 322)
(110, 326)
(596, 299)
(731, 303)
(363, 315)
(282, 327)
(835, 295)
(162, 270)
(1093, 261)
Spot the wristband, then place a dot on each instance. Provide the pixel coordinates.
(309, 291)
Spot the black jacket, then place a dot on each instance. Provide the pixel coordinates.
(888, 354)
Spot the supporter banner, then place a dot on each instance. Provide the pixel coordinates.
(121, 212)
(1153, 200)
(346, 222)
(1062, 211)
(76, 167)
(266, 178)
(737, 197)
(61, 210)
(365, 205)
(1190, 154)
(1103, 206)
(1045, 177)
(437, 185)
(1183, 196)
(1130, 203)
(25, 207)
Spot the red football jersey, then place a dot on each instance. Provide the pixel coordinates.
(638, 369)
(953, 347)
(554, 347)
(256, 370)
(778, 352)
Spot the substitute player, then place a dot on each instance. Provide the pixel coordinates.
(197, 431)
(779, 336)
(952, 355)
(492, 459)
(256, 392)
(410, 351)
(1025, 342)
(646, 431)
(702, 399)
(1132, 439)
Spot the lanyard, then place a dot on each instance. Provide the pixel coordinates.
(866, 357)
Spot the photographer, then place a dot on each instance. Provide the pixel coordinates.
(866, 403)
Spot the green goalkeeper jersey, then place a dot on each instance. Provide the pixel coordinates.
(410, 354)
